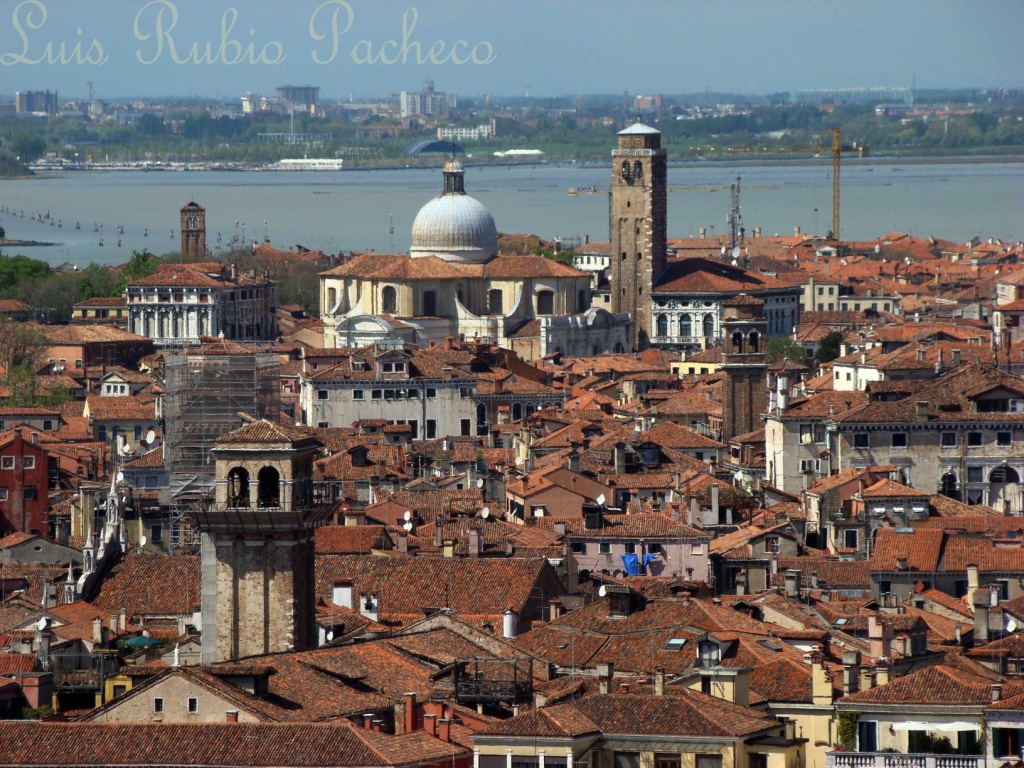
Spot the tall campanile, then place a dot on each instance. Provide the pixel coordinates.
(637, 222)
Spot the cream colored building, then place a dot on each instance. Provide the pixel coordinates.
(454, 283)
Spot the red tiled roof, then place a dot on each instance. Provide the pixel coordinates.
(151, 585)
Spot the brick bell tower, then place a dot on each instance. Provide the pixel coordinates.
(744, 388)
(637, 222)
(193, 230)
(258, 572)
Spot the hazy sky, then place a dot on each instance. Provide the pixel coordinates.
(551, 47)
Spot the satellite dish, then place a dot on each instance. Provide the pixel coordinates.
(480, 482)
(407, 526)
(723, 250)
(41, 624)
(120, 477)
(330, 636)
(485, 513)
(408, 515)
(602, 591)
(126, 450)
(142, 541)
(600, 499)
(150, 437)
(519, 460)
(735, 252)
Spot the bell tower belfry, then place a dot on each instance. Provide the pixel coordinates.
(744, 365)
(193, 230)
(258, 578)
(638, 213)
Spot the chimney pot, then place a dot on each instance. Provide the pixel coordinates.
(231, 716)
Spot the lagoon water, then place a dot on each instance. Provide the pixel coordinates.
(354, 210)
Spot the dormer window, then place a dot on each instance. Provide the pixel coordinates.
(709, 653)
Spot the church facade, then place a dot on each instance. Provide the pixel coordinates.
(454, 283)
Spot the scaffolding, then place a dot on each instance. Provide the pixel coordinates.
(210, 391)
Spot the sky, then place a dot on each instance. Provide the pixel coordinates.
(371, 48)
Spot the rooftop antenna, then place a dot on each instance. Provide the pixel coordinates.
(391, 231)
(736, 231)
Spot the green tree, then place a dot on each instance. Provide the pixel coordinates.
(17, 269)
(20, 344)
(829, 347)
(22, 381)
(781, 348)
(28, 147)
(141, 264)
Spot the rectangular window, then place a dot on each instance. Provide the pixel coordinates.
(579, 547)
(465, 427)
(138, 433)
(120, 690)
(389, 394)
(414, 394)
(193, 704)
(899, 439)
(861, 440)
(7, 462)
(867, 736)
(375, 394)
(1004, 439)
(3, 494)
(974, 439)
(431, 392)
(323, 424)
(629, 547)
(48, 425)
(321, 394)
(158, 704)
(357, 394)
(101, 433)
(28, 462)
(604, 548)
(156, 534)
(949, 439)
(850, 538)
(30, 493)
(975, 474)
(431, 429)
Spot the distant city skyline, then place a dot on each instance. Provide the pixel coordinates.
(510, 49)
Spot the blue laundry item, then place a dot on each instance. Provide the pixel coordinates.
(632, 563)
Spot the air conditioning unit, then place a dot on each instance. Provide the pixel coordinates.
(1016, 405)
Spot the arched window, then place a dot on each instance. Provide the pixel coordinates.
(429, 304)
(685, 326)
(461, 297)
(269, 487)
(619, 349)
(517, 412)
(625, 169)
(709, 326)
(332, 298)
(581, 301)
(755, 338)
(638, 169)
(481, 419)
(495, 302)
(238, 487)
(389, 300)
(737, 342)
(948, 486)
(545, 302)
(662, 325)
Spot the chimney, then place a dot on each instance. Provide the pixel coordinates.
(43, 638)
(97, 630)
(792, 583)
(410, 711)
(997, 692)
(814, 580)
(851, 672)
(715, 492)
(938, 362)
(882, 671)
(449, 548)
(981, 600)
(342, 594)
(574, 461)
(113, 623)
(920, 354)
(438, 534)
(403, 543)
(122, 620)
(555, 609)
(922, 410)
(619, 454)
(559, 528)
(430, 724)
(867, 679)
(369, 606)
(444, 730)
(510, 624)
(955, 357)
(449, 342)
(757, 231)
(476, 542)
(368, 721)
(703, 233)
(880, 634)
(605, 673)
(231, 716)
(821, 678)
(659, 681)
(741, 583)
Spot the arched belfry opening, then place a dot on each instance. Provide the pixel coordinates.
(238, 487)
(269, 487)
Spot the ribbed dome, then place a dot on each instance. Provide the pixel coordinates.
(454, 226)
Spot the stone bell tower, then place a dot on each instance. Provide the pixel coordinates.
(258, 588)
(744, 388)
(193, 230)
(637, 220)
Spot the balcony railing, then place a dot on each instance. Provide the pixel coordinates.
(894, 760)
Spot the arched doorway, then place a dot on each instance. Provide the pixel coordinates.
(1004, 489)
(269, 487)
(238, 487)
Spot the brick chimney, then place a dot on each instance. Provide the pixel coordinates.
(231, 716)
(605, 673)
(444, 730)
(410, 711)
(880, 634)
(430, 724)
(476, 542)
(659, 681)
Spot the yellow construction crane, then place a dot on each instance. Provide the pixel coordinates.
(837, 151)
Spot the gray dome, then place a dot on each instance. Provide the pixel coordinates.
(454, 226)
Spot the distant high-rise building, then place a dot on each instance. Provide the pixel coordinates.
(36, 101)
(426, 102)
(306, 97)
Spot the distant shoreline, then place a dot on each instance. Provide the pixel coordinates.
(25, 243)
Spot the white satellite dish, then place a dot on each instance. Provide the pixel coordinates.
(41, 624)
(330, 636)
(519, 460)
(142, 541)
(150, 437)
(735, 253)
(602, 591)
(485, 513)
(407, 526)
(408, 515)
(120, 477)
(479, 482)
(600, 499)
(723, 250)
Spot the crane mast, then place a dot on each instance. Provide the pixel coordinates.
(837, 151)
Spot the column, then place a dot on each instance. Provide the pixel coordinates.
(540, 758)
(568, 758)
(508, 758)
(476, 757)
